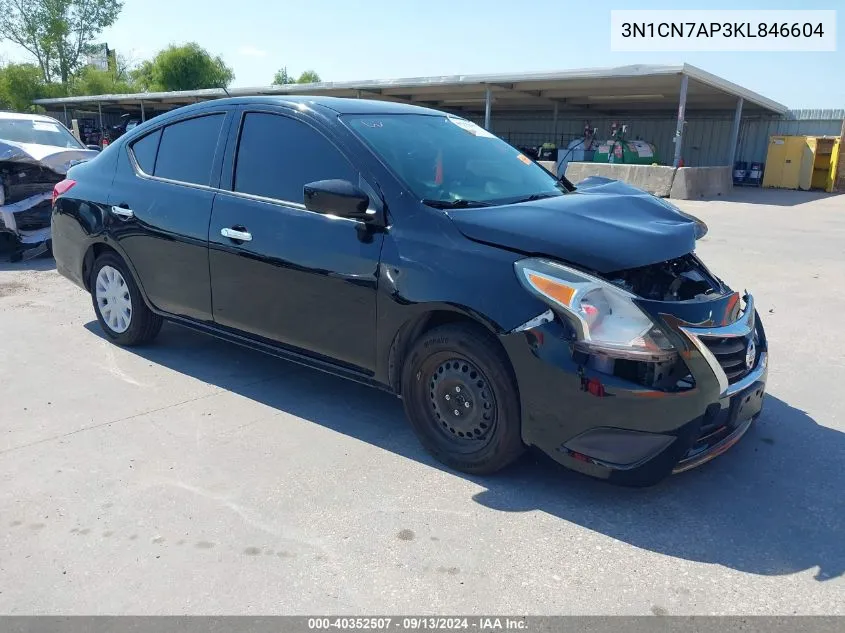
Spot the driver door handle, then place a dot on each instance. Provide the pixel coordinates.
(234, 234)
(123, 212)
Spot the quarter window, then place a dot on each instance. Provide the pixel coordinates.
(144, 150)
(278, 156)
(186, 151)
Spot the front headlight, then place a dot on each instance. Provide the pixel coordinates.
(607, 320)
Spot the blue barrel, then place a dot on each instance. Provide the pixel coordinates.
(755, 174)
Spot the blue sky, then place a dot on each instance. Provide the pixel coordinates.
(348, 40)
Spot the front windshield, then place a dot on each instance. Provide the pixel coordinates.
(446, 161)
(39, 132)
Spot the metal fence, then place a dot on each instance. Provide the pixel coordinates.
(706, 138)
(754, 134)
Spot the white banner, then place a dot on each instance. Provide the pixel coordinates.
(720, 31)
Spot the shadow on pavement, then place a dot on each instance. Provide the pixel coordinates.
(774, 504)
(39, 263)
(44, 261)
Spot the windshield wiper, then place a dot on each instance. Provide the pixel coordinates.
(460, 203)
(537, 196)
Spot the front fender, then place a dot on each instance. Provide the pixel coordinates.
(445, 273)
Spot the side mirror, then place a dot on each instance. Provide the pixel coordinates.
(96, 148)
(338, 197)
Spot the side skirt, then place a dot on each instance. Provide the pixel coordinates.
(284, 352)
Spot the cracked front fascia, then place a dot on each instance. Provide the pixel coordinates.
(18, 164)
(8, 211)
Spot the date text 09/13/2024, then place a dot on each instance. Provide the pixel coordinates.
(428, 623)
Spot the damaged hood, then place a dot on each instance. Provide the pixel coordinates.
(604, 225)
(58, 159)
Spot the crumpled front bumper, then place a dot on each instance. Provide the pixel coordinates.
(28, 219)
(26, 188)
(613, 428)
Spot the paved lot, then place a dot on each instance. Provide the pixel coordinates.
(197, 477)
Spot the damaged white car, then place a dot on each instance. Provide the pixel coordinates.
(35, 153)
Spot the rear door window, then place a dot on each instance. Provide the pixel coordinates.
(187, 148)
(278, 156)
(144, 150)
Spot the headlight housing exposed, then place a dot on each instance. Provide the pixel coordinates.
(606, 318)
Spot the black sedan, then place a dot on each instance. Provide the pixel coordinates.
(416, 252)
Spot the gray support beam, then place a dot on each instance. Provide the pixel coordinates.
(735, 133)
(102, 129)
(143, 114)
(67, 123)
(554, 124)
(679, 129)
(488, 107)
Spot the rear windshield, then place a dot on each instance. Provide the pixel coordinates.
(447, 159)
(37, 132)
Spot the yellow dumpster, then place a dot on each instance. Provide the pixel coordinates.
(802, 162)
(783, 161)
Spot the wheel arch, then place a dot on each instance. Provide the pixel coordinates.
(423, 322)
(98, 248)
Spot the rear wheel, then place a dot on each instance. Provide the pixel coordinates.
(118, 304)
(461, 398)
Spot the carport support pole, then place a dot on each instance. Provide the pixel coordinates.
(488, 106)
(143, 114)
(102, 130)
(735, 133)
(67, 123)
(679, 129)
(554, 124)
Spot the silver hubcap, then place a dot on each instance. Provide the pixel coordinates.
(113, 299)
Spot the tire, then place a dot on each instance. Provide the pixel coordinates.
(140, 325)
(461, 398)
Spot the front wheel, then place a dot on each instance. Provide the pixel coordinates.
(461, 399)
(118, 304)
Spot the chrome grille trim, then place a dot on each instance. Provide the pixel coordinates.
(742, 327)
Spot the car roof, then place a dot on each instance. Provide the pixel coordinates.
(339, 105)
(25, 116)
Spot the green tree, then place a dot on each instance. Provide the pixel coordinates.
(185, 67)
(309, 77)
(281, 77)
(93, 81)
(57, 33)
(20, 85)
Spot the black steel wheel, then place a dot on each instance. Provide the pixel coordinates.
(463, 403)
(461, 398)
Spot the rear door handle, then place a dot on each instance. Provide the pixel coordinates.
(234, 234)
(123, 212)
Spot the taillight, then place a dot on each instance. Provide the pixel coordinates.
(62, 187)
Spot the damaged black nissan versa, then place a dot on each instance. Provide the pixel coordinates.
(415, 251)
(35, 154)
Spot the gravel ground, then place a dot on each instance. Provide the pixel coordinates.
(197, 477)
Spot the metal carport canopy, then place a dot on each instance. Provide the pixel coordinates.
(639, 88)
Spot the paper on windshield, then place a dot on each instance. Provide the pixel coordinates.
(469, 126)
(45, 126)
